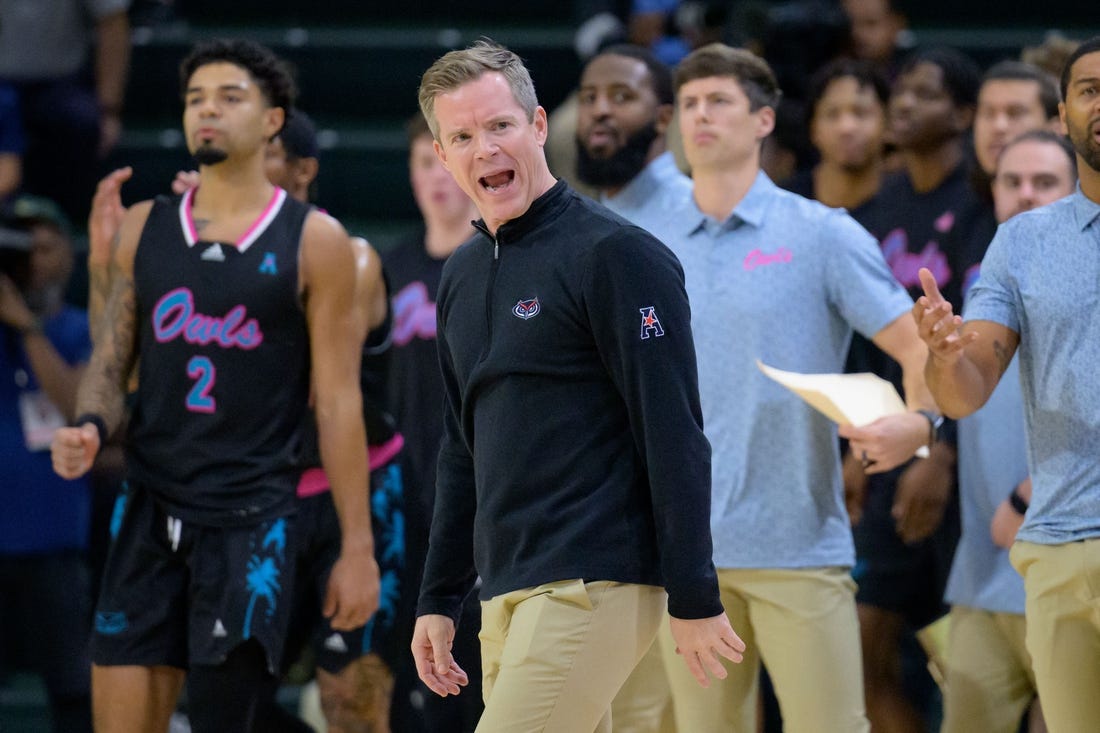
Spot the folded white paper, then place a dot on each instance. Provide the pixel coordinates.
(846, 399)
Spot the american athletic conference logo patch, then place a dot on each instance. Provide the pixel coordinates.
(527, 309)
(651, 325)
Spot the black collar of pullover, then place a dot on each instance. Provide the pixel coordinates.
(542, 209)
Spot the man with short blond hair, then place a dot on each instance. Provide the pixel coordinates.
(573, 470)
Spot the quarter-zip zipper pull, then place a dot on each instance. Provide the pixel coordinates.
(496, 239)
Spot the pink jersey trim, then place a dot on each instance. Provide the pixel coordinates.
(262, 223)
(186, 222)
(314, 481)
(191, 235)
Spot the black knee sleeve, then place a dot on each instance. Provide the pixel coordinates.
(226, 697)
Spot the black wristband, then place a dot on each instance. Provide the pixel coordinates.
(1019, 505)
(94, 419)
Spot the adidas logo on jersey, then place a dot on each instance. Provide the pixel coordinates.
(335, 643)
(213, 253)
(219, 630)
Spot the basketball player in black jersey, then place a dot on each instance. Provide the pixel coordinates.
(232, 295)
(354, 668)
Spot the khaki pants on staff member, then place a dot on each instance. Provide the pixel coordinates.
(1062, 583)
(989, 681)
(802, 623)
(554, 656)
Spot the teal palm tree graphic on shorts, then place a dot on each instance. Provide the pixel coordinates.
(263, 574)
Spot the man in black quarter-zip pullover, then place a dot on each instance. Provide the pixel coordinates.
(573, 474)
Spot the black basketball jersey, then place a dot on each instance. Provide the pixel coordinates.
(224, 365)
(374, 378)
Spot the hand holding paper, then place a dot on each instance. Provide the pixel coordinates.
(869, 410)
(846, 399)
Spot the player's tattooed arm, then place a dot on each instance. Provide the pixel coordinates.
(99, 282)
(104, 223)
(103, 388)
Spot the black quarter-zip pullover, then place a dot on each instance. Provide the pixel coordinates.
(573, 441)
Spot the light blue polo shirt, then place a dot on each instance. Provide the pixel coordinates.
(992, 461)
(785, 280)
(1041, 278)
(652, 195)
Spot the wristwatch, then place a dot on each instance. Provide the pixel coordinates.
(935, 420)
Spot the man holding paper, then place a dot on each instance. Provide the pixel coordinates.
(776, 277)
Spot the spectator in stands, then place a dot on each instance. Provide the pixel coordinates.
(1014, 97)
(929, 214)
(69, 61)
(663, 26)
(796, 36)
(877, 32)
(45, 605)
(847, 126)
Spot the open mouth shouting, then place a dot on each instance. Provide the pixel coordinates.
(497, 182)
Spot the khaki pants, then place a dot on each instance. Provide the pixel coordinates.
(644, 703)
(989, 682)
(803, 625)
(554, 656)
(1063, 629)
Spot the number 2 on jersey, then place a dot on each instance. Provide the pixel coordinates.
(201, 369)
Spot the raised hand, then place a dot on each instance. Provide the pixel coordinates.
(937, 324)
(185, 180)
(106, 216)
